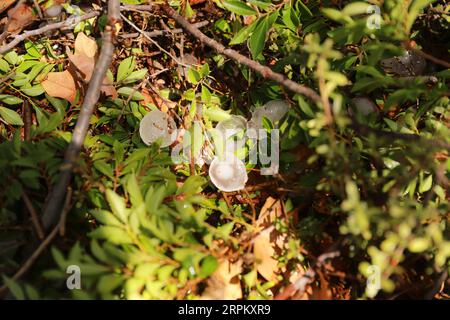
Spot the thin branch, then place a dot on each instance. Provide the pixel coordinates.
(34, 216)
(432, 58)
(299, 286)
(154, 42)
(52, 211)
(27, 265)
(366, 130)
(265, 71)
(158, 33)
(70, 22)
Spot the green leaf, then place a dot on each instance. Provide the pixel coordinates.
(4, 66)
(134, 191)
(193, 76)
(106, 217)
(426, 184)
(117, 204)
(112, 234)
(15, 289)
(33, 91)
(418, 245)
(104, 168)
(216, 114)
(126, 67)
(136, 76)
(9, 99)
(239, 7)
(10, 117)
(208, 266)
(356, 8)
(127, 91)
(243, 34)
(258, 39)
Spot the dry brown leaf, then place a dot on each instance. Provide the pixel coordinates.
(4, 4)
(19, 17)
(269, 243)
(60, 85)
(224, 283)
(85, 45)
(83, 63)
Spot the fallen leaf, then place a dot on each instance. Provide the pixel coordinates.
(60, 85)
(4, 4)
(20, 17)
(83, 63)
(269, 243)
(85, 45)
(224, 283)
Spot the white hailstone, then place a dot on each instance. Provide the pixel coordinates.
(157, 125)
(273, 110)
(228, 174)
(363, 105)
(53, 11)
(232, 131)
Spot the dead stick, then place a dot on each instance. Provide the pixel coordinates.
(265, 71)
(53, 209)
(157, 33)
(72, 21)
(34, 216)
(27, 265)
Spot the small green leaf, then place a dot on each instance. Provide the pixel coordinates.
(112, 234)
(117, 204)
(9, 99)
(243, 34)
(10, 117)
(4, 66)
(239, 7)
(208, 266)
(127, 91)
(193, 76)
(426, 184)
(258, 39)
(136, 76)
(126, 67)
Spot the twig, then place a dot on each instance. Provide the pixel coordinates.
(154, 42)
(66, 209)
(363, 129)
(34, 216)
(158, 33)
(265, 71)
(437, 285)
(300, 284)
(71, 21)
(27, 120)
(52, 210)
(432, 58)
(38, 9)
(27, 265)
(8, 23)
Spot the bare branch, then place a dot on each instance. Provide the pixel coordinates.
(265, 71)
(69, 23)
(53, 208)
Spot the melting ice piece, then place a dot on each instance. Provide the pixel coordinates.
(233, 133)
(364, 105)
(157, 124)
(273, 110)
(228, 173)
